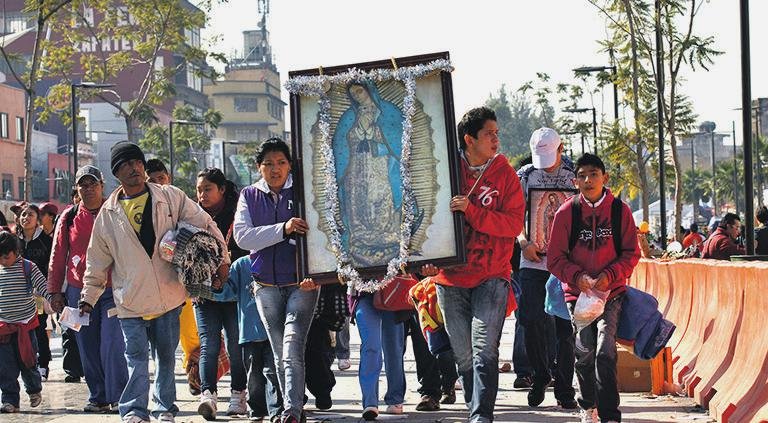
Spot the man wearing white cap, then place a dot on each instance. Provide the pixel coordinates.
(549, 170)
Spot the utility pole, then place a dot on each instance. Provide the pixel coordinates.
(660, 123)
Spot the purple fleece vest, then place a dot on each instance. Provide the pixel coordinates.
(275, 264)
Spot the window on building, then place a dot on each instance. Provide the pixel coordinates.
(7, 186)
(194, 81)
(192, 37)
(19, 129)
(247, 134)
(3, 125)
(21, 186)
(245, 104)
(14, 22)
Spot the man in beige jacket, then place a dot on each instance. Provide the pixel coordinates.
(147, 291)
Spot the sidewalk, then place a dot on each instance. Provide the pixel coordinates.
(62, 402)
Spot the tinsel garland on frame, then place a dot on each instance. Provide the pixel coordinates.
(318, 86)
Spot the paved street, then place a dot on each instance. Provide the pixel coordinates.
(62, 402)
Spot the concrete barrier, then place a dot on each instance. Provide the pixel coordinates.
(720, 347)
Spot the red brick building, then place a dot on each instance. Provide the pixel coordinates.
(11, 142)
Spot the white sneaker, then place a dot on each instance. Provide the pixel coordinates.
(395, 409)
(344, 364)
(207, 407)
(589, 416)
(132, 418)
(166, 417)
(237, 404)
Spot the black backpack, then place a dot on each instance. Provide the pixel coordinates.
(576, 225)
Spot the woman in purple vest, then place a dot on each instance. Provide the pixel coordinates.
(265, 225)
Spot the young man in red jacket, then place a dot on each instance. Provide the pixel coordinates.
(721, 245)
(594, 261)
(473, 297)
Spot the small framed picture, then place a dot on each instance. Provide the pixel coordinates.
(542, 206)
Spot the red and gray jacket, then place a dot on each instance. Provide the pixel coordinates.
(594, 250)
(494, 218)
(70, 243)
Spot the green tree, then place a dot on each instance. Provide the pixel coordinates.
(151, 28)
(189, 142)
(697, 185)
(27, 73)
(728, 181)
(516, 119)
(632, 26)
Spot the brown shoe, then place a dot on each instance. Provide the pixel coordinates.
(428, 403)
(448, 398)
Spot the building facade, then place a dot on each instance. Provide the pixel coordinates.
(11, 142)
(100, 125)
(248, 96)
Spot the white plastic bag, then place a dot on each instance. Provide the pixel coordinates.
(168, 245)
(589, 306)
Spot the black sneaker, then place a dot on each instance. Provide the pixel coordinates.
(522, 382)
(71, 379)
(370, 413)
(448, 398)
(428, 403)
(536, 395)
(323, 403)
(568, 404)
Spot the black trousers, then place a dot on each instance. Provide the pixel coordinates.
(317, 362)
(537, 324)
(43, 345)
(70, 352)
(437, 375)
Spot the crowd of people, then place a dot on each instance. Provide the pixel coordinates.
(272, 332)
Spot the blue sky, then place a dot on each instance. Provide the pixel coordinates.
(491, 43)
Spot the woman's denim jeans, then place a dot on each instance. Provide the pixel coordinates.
(379, 331)
(211, 318)
(287, 313)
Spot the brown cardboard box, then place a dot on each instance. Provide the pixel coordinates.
(633, 374)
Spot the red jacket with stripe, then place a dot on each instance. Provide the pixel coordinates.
(494, 218)
(69, 250)
(594, 251)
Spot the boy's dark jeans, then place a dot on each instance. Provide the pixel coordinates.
(596, 362)
(436, 375)
(264, 397)
(538, 345)
(11, 366)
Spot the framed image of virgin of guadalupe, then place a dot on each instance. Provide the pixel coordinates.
(542, 206)
(375, 166)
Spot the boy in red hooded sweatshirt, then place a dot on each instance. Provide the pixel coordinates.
(473, 297)
(593, 259)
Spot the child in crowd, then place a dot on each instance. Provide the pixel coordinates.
(264, 396)
(20, 279)
(594, 258)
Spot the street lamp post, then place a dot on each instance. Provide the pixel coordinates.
(590, 69)
(73, 102)
(660, 122)
(735, 170)
(594, 120)
(170, 138)
(582, 141)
